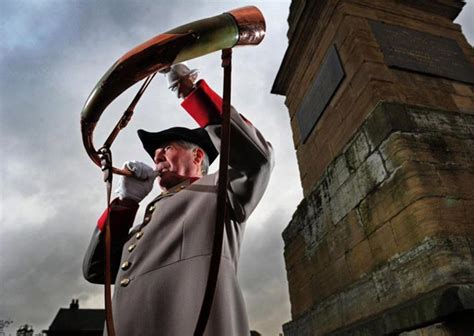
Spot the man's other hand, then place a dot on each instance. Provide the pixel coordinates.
(139, 185)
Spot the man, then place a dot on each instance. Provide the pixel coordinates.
(161, 266)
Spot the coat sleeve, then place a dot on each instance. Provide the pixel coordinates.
(251, 156)
(122, 214)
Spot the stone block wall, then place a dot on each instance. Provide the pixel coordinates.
(458, 325)
(317, 25)
(384, 241)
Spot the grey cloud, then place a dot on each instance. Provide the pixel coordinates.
(54, 53)
(262, 273)
(467, 24)
(44, 265)
(57, 52)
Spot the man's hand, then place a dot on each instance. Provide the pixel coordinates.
(139, 186)
(181, 79)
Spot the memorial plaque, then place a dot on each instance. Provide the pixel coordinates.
(422, 52)
(323, 88)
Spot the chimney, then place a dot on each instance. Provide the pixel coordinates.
(74, 304)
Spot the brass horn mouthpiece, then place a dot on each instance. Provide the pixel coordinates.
(250, 23)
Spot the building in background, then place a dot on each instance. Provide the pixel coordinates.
(4, 324)
(74, 321)
(381, 101)
(25, 330)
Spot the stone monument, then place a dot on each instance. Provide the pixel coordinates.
(381, 101)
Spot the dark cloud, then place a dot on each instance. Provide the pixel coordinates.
(262, 273)
(42, 269)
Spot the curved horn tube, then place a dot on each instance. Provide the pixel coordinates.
(242, 26)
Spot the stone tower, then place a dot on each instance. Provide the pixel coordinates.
(381, 100)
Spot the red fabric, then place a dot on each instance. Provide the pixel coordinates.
(102, 220)
(122, 214)
(204, 105)
(246, 120)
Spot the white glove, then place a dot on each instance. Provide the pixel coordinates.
(138, 186)
(181, 79)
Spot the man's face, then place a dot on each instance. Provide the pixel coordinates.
(175, 164)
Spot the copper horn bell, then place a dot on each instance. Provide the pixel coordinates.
(242, 26)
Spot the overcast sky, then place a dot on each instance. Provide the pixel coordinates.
(52, 55)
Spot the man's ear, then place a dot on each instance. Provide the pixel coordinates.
(198, 155)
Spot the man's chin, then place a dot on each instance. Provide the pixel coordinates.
(166, 175)
(168, 180)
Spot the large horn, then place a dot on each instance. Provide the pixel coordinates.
(242, 26)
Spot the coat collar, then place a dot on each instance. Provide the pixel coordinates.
(175, 189)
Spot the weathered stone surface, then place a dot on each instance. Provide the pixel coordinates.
(453, 304)
(368, 78)
(401, 149)
(462, 89)
(430, 148)
(388, 222)
(429, 120)
(356, 188)
(382, 244)
(384, 239)
(454, 325)
(357, 152)
(361, 260)
(427, 217)
(384, 120)
(346, 235)
(412, 279)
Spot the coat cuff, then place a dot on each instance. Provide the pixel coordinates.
(122, 214)
(204, 105)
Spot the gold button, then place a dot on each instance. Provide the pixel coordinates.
(126, 265)
(139, 235)
(131, 247)
(147, 218)
(124, 282)
(151, 208)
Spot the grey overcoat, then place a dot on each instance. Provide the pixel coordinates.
(161, 266)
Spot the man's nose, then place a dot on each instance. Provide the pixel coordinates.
(159, 155)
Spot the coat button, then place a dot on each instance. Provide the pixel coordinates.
(131, 247)
(124, 282)
(151, 208)
(147, 218)
(125, 265)
(139, 235)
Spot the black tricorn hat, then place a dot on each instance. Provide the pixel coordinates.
(153, 140)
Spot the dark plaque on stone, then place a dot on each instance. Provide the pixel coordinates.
(323, 88)
(422, 52)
